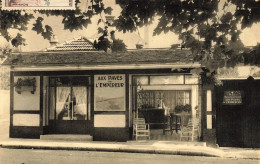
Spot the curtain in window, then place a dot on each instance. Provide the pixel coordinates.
(62, 94)
(80, 104)
(169, 99)
(52, 103)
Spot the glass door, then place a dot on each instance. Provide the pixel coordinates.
(70, 111)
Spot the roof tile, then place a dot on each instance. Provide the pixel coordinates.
(79, 44)
(100, 57)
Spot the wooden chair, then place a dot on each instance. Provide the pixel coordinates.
(140, 128)
(191, 130)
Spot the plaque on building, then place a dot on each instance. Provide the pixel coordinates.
(232, 98)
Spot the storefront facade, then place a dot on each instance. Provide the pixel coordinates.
(100, 95)
(100, 100)
(101, 105)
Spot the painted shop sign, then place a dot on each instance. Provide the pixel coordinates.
(109, 92)
(232, 98)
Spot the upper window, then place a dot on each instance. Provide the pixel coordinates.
(69, 80)
(164, 80)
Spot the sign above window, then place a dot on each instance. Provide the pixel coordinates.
(232, 98)
(109, 92)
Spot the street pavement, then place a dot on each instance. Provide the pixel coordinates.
(149, 147)
(32, 156)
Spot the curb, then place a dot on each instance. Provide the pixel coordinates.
(118, 148)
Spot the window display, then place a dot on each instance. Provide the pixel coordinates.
(162, 99)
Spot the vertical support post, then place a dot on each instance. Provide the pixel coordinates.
(11, 102)
(41, 104)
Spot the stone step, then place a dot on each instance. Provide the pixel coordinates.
(173, 143)
(67, 137)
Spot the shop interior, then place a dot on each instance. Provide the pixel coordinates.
(166, 108)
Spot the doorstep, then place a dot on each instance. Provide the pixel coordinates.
(66, 137)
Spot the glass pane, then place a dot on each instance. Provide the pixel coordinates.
(167, 79)
(63, 81)
(52, 81)
(79, 95)
(140, 80)
(162, 99)
(63, 103)
(80, 80)
(191, 80)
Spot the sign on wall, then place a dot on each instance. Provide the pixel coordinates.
(232, 98)
(25, 100)
(109, 92)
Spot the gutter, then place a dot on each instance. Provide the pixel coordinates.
(104, 67)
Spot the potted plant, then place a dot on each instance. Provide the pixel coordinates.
(179, 108)
(183, 109)
(187, 108)
(27, 84)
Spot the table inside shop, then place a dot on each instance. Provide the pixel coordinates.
(174, 121)
(154, 116)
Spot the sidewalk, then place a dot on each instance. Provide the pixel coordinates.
(153, 147)
(150, 146)
(158, 147)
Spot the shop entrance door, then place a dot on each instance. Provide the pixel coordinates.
(72, 110)
(238, 124)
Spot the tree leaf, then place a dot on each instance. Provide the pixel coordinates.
(18, 40)
(108, 10)
(99, 21)
(100, 30)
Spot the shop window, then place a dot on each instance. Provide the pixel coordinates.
(162, 99)
(176, 79)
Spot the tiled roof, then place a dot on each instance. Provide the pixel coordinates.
(143, 56)
(78, 44)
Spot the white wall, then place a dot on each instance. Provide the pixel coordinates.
(4, 104)
(26, 120)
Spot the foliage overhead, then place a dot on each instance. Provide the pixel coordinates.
(71, 19)
(108, 42)
(210, 28)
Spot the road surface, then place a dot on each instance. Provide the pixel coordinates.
(33, 156)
